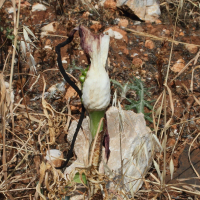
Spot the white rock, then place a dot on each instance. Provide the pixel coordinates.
(38, 7)
(64, 61)
(10, 10)
(144, 9)
(55, 156)
(114, 34)
(81, 146)
(152, 12)
(48, 47)
(137, 148)
(50, 27)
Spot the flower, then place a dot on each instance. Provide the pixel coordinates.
(96, 87)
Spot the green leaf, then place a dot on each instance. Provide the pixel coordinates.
(11, 37)
(77, 178)
(139, 105)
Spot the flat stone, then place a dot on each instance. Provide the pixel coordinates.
(149, 44)
(38, 7)
(117, 33)
(137, 143)
(148, 10)
(191, 48)
(123, 23)
(178, 66)
(52, 27)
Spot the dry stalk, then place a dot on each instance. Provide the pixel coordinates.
(94, 161)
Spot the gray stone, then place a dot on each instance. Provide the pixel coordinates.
(148, 10)
(132, 147)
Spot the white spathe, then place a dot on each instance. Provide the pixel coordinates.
(96, 88)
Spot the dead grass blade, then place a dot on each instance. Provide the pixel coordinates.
(1, 3)
(42, 174)
(153, 37)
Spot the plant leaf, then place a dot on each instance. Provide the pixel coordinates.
(77, 178)
(29, 31)
(157, 168)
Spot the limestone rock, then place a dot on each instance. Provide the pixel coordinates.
(123, 23)
(137, 62)
(50, 27)
(149, 44)
(38, 7)
(178, 66)
(148, 10)
(138, 145)
(117, 33)
(55, 156)
(191, 48)
(81, 146)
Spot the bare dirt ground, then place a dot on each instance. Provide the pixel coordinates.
(150, 51)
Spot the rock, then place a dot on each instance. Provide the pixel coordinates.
(126, 51)
(139, 29)
(110, 4)
(47, 47)
(10, 10)
(96, 27)
(38, 7)
(123, 23)
(55, 90)
(158, 21)
(191, 48)
(148, 10)
(71, 93)
(117, 33)
(178, 66)
(152, 11)
(86, 15)
(81, 146)
(56, 157)
(167, 32)
(137, 62)
(149, 44)
(138, 146)
(52, 27)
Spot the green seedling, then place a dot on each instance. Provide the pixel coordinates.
(141, 92)
(123, 89)
(139, 105)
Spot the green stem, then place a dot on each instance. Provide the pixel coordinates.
(95, 118)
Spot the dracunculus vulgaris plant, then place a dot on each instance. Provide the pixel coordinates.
(96, 86)
(95, 97)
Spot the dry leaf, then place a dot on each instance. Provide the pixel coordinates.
(171, 168)
(157, 168)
